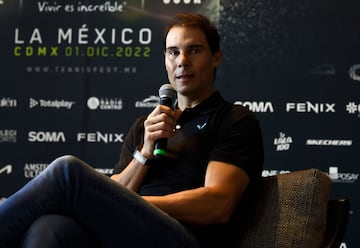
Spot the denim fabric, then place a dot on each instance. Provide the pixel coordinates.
(56, 231)
(111, 214)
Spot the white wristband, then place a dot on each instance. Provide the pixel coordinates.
(139, 157)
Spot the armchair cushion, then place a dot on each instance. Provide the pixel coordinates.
(290, 211)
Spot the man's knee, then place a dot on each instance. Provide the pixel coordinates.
(55, 231)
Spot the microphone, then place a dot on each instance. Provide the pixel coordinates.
(167, 96)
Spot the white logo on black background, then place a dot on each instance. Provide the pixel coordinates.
(282, 143)
(8, 135)
(50, 103)
(7, 169)
(346, 177)
(150, 102)
(354, 72)
(7, 102)
(309, 107)
(94, 103)
(47, 136)
(353, 108)
(328, 142)
(257, 106)
(32, 170)
(268, 173)
(99, 137)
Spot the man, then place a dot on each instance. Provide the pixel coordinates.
(187, 199)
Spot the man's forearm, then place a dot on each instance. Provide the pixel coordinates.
(197, 206)
(132, 176)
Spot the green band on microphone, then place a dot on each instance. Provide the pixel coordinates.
(158, 152)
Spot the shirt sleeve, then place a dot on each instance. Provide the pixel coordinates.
(238, 141)
(133, 139)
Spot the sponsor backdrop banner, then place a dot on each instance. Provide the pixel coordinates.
(76, 74)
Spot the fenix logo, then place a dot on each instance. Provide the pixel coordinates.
(7, 169)
(42, 136)
(309, 107)
(99, 137)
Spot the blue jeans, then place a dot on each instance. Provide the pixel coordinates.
(110, 214)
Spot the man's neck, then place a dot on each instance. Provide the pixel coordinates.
(185, 102)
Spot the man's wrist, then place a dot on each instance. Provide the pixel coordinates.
(140, 158)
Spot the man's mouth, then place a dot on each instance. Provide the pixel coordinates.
(185, 76)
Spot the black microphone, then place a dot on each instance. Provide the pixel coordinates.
(167, 96)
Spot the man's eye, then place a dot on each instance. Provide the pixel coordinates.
(173, 52)
(195, 50)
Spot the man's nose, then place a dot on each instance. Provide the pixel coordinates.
(183, 60)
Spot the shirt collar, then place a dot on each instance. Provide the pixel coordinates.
(206, 105)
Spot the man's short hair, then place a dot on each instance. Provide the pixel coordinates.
(196, 21)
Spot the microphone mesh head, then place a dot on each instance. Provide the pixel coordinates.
(166, 90)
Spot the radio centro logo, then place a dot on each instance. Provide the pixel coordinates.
(342, 177)
(95, 103)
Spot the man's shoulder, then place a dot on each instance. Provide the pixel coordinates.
(227, 109)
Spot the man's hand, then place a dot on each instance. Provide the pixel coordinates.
(159, 124)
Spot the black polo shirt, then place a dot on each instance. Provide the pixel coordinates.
(212, 130)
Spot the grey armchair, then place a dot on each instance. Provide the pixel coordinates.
(293, 211)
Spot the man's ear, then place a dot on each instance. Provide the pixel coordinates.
(217, 58)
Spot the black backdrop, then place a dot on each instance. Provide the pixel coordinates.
(75, 75)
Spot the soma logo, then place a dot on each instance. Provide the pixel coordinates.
(46, 136)
(257, 106)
